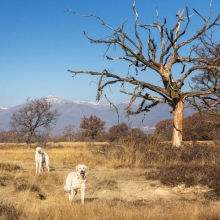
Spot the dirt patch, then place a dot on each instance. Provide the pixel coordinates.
(131, 185)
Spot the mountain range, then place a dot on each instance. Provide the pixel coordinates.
(72, 113)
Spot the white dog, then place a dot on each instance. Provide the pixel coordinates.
(41, 159)
(76, 181)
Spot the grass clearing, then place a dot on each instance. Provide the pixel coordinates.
(130, 180)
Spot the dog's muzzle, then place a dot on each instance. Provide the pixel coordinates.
(82, 174)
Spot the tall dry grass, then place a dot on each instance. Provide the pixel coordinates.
(29, 196)
(127, 152)
(107, 210)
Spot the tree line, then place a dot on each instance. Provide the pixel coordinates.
(34, 120)
(199, 126)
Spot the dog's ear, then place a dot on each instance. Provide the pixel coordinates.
(85, 168)
(77, 168)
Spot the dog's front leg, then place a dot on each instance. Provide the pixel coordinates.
(36, 167)
(82, 188)
(40, 167)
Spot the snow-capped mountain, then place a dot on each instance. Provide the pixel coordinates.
(72, 113)
(3, 108)
(57, 100)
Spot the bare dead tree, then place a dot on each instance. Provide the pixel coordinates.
(42, 136)
(8, 137)
(33, 117)
(207, 79)
(160, 56)
(69, 133)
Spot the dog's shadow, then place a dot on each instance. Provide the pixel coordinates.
(87, 200)
(52, 169)
(91, 199)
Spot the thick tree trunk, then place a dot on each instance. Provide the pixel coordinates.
(28, 145)
(178, 123)
(28, 142)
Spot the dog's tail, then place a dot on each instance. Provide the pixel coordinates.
(67, 188)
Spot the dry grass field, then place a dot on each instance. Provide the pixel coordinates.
(126, 181)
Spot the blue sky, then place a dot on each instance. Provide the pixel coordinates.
(40, 41)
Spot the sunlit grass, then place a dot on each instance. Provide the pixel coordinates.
(31, 196)
(114, 209)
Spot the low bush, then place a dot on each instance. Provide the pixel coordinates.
(188, 174)
(24, 185)
(9, 212)
(9, 167)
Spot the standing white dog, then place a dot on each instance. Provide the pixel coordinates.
(76, 181)
(41, 158)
